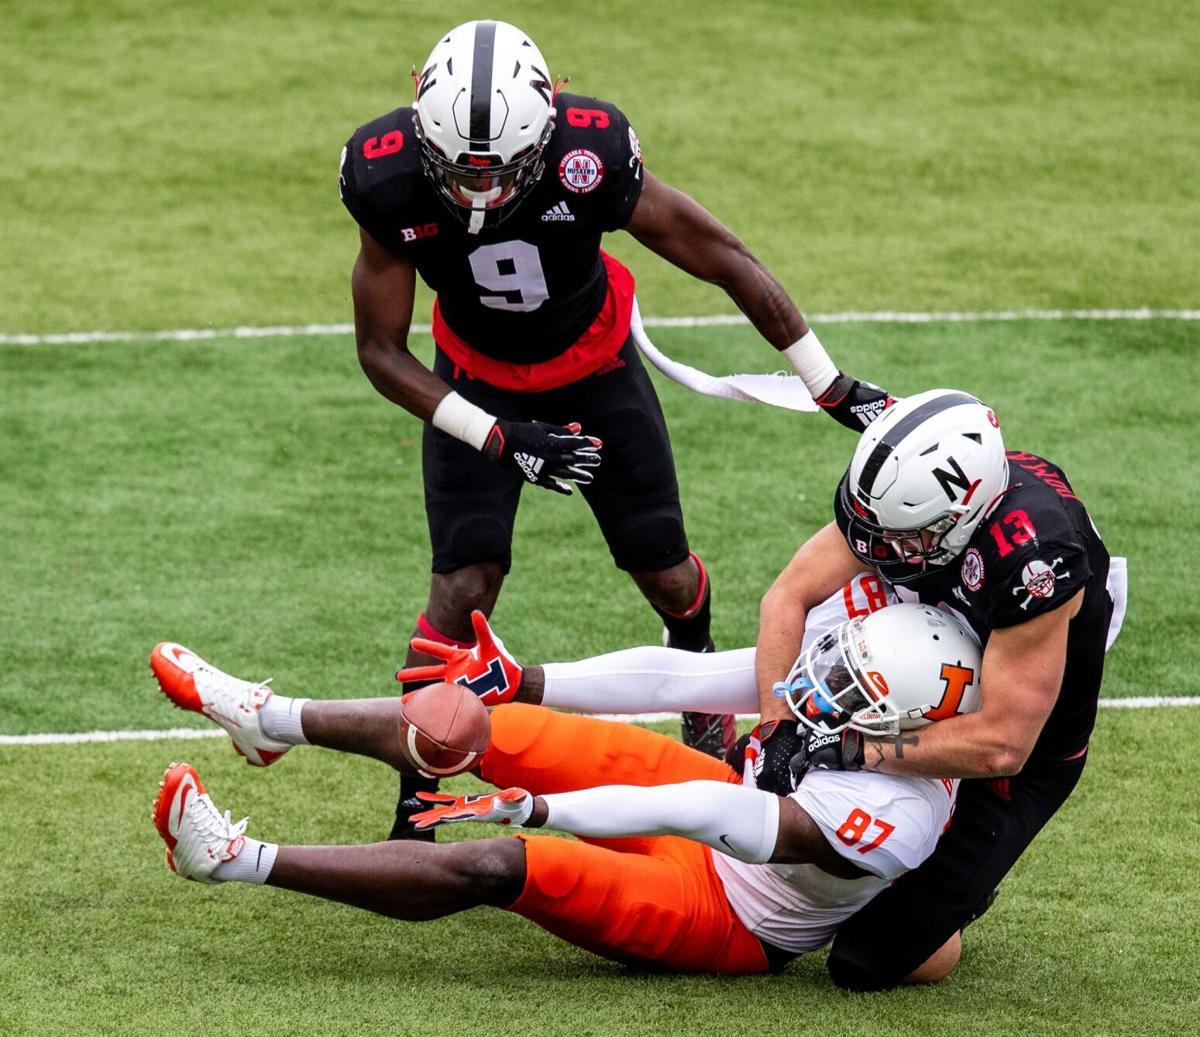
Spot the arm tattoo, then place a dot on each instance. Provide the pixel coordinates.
(898, 742)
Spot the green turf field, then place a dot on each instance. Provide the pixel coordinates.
(173, 166)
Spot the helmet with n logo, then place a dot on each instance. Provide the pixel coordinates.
(901, 667)
(922, 477)
(484, 113)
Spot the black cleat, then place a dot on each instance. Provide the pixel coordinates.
(711, 733)
(409, 805)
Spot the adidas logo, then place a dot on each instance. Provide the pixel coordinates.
(558, 212)
(529, 464)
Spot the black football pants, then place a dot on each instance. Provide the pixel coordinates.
(471, 502)
(993, 823)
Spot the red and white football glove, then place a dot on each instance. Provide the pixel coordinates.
(509, 807)
(487, 667)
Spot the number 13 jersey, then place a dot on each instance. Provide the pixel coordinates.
(535, 294)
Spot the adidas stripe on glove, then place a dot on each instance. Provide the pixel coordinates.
(854, 403)
(552, 456)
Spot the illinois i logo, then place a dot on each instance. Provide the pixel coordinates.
(581, 171)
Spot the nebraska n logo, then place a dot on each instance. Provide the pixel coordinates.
(426, 80)
(957, 478)
(541, 84)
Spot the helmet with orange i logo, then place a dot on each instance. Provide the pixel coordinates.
(904, 666)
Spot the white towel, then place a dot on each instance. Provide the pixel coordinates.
(1118, 589)
(776, 390)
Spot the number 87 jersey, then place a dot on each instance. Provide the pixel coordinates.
(535, 289)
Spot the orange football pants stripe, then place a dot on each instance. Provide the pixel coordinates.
(647, 900)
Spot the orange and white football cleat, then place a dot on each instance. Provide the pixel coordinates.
(198, 836)
(193, 684)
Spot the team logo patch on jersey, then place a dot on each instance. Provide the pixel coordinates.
(581, 171)
(1038, 580)
(972, 569)
(558, 214)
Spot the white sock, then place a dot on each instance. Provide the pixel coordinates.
(253, 864)
(280, 720)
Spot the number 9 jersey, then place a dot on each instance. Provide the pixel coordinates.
(530, 304)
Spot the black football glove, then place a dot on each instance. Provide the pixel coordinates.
(774, 743)
(827, 751)
(853, 403)
(547, 455)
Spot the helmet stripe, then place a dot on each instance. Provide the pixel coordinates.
(481, 85)
(897, 433)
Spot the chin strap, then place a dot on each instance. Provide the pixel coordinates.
(476, 223)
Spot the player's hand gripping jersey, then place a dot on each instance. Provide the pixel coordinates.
(537, 288)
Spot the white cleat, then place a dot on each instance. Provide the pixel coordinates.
(198, 836)
(195, 685)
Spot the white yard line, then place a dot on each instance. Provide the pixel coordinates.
(75, 738)
(714, 320)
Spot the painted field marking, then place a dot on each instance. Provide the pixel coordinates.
(713, 320)
(77, 738)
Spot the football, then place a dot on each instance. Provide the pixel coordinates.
(444, 728)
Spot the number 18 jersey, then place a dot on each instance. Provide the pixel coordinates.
(526, 291)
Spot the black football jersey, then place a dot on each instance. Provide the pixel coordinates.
(526, 290)
(1033, 552)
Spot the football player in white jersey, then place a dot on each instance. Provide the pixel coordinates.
(786, 871)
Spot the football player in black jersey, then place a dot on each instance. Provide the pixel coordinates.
(495, 186)
(933, 502)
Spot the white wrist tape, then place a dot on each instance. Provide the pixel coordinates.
(810, 361)
(738, 821)
(463, 420)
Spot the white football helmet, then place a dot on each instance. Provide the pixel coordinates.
(484, 113)
(923, 475)
(901, 667)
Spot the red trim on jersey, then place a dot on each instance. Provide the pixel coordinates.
(1000, 787)
(701, 591)
(595, 348)
(431, 633)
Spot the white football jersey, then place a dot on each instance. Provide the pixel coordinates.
(860, 596)
(885, 824)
